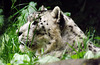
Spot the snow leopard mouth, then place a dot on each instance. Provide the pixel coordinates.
(29, 45)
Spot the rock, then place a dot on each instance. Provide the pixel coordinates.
(76, 62)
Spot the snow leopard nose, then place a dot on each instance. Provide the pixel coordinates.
(19, 33)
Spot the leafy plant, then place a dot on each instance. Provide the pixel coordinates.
(9, 40)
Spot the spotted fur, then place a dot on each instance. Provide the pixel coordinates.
(54, 32)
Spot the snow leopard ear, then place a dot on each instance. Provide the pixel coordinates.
(58, 14)
(43, 8)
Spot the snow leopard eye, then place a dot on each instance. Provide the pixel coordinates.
(35, 22)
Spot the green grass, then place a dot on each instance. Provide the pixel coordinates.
(9, 44)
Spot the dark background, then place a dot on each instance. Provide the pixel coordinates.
(86, 13)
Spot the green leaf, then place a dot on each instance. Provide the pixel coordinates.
(88, 55)
(67, 13)
(8, 63)
(47, 59)
(1, 63)
(97, 55)
(20, 59)
(98, 38)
